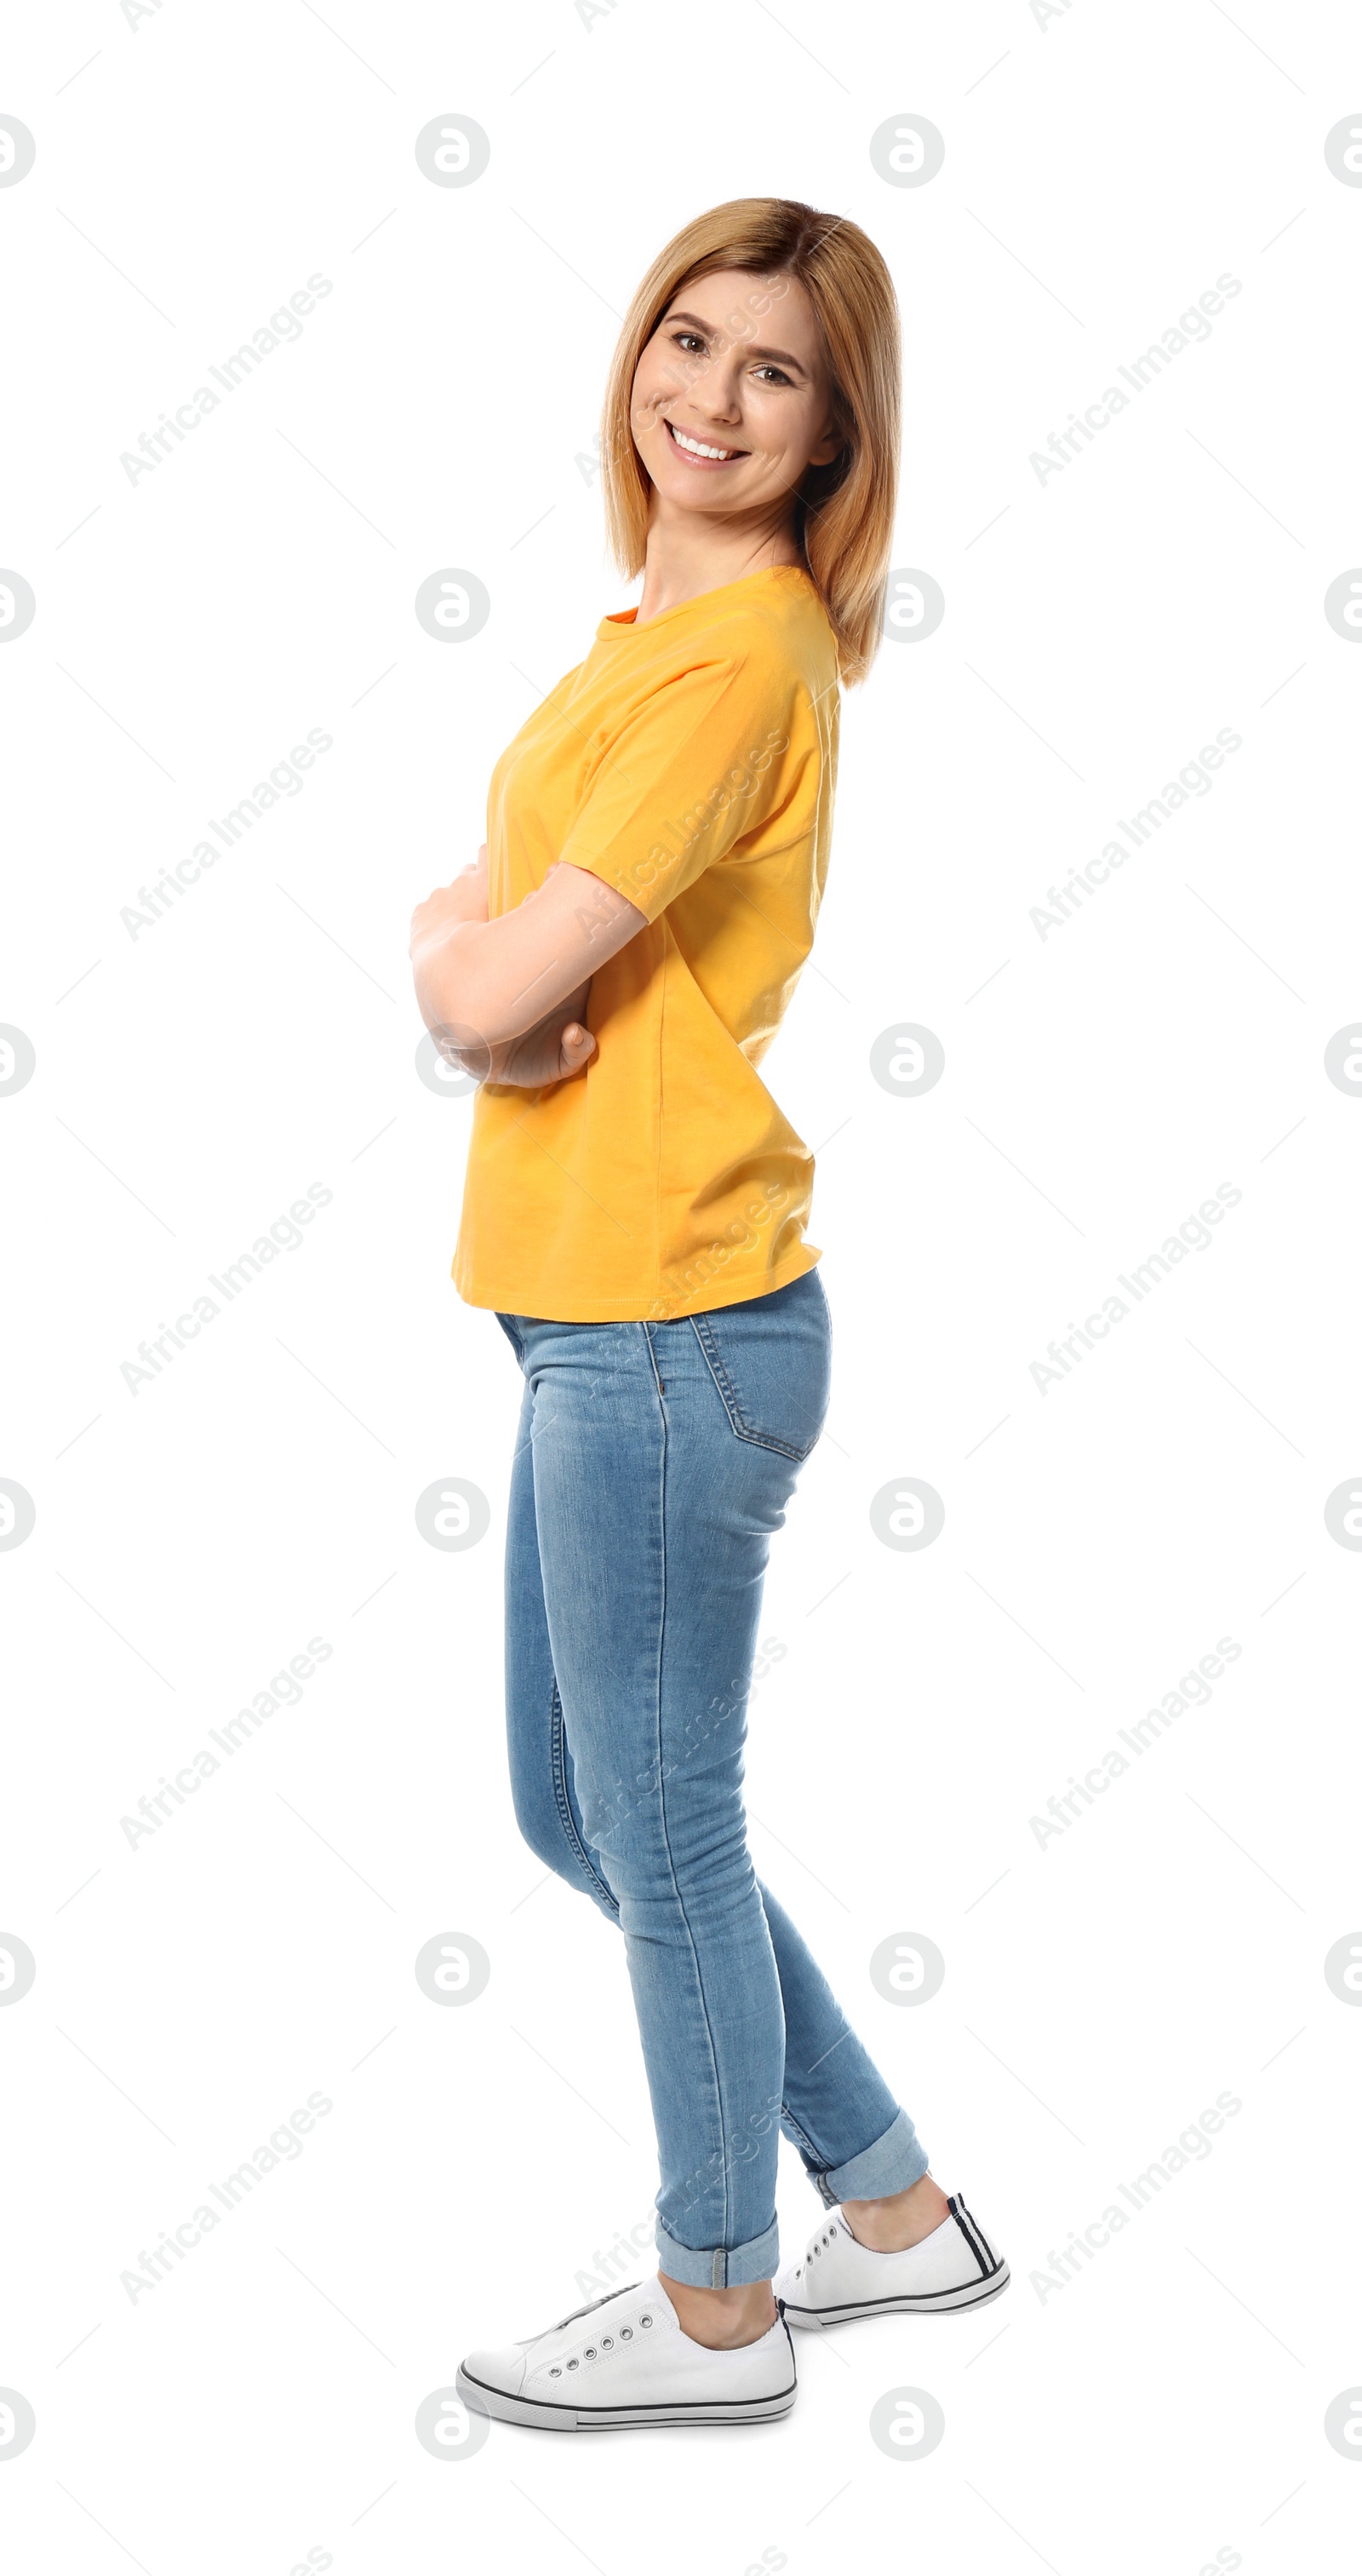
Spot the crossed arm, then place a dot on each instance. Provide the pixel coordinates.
(503, 998)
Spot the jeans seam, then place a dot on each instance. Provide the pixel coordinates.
(565, 1815)
(800, 2137)
(666, 1837)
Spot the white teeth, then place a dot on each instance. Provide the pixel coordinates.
(694, 448)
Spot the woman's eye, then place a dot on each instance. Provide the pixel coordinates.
(776, 373)
(681, 337)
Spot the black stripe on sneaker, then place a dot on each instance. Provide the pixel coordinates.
(992, 2257)
(956, 2208)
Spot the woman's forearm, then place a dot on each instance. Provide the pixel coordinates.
(497, 980)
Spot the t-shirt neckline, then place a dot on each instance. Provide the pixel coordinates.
(623, 621)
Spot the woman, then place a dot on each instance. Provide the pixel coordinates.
(613, 967)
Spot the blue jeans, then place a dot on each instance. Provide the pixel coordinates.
(654, 1461)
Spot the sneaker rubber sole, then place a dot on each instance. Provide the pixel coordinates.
(551, 2417)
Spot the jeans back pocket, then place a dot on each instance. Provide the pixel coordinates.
(771, 1360)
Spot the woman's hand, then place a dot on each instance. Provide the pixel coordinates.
(464, 900)
(556, 1048)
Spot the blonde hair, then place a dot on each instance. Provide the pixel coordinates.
(844, 511)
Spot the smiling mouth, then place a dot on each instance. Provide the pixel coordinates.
(699, 451)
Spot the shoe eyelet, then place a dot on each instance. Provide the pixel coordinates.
(572, 2365)
(626, 2334)
(645, 2321)
(555, 2370)
(590, 2353)
(606, 2342)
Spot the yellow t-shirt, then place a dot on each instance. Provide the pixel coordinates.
(690, 762)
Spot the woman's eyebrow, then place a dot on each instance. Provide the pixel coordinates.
(781, 356)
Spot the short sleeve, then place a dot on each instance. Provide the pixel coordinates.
(696, 764)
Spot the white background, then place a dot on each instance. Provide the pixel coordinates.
(1100, 172)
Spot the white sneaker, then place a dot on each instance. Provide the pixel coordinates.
(624, 2359)
(954, 2267)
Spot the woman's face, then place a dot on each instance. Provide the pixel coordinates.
(731, 396)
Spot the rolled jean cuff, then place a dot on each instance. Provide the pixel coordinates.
(892, 2163)
(723, 2269)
